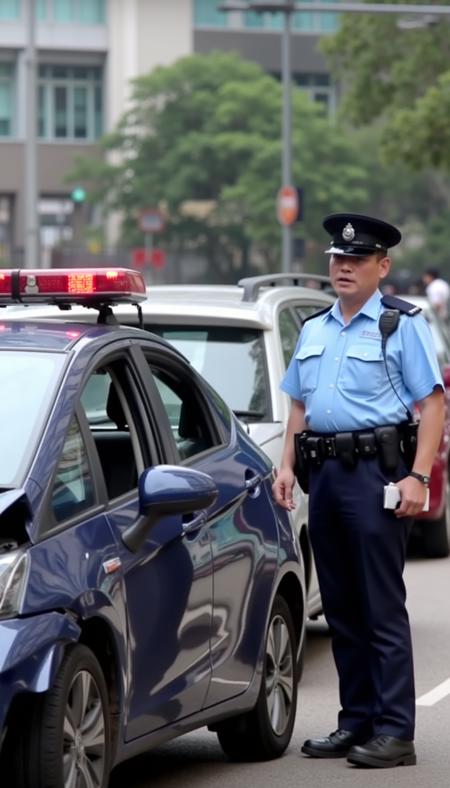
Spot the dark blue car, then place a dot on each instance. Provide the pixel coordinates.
(148, 583)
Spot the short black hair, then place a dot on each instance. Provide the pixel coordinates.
(434, 272)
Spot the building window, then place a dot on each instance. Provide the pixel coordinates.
(302, 21)
(308, 22)
(319, 88)
(207, 15)
(89, 12)
(6, 224)
(70, 102)
(6, 99)
(9, 9)
(263, 21)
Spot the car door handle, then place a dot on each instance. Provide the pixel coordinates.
(193, 525)
(252, 482)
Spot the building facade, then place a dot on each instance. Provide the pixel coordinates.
(86, 53)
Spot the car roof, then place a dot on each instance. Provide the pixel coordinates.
(60, 335)
(234, 304)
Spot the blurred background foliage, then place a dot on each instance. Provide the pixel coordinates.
(202, 140)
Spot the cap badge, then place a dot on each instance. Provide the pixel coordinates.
(348, 232)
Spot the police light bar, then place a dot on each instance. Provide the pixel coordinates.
(86, 286)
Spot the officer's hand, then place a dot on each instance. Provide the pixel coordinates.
(413, 494)
(282, 488)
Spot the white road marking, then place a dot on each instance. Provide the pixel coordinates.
(435, 695)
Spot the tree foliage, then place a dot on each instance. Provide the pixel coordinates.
(202, 138)
(398, 77)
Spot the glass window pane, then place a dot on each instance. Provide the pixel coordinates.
(98, 112)
(63, 10)
(81, 72)
(41, 10)
(304, 20)
(42, 130)
(211, 350)
(23, 407)
(70, 102)
(80, 113)
(92, 11)
(73, 491)
(60, 112)
(206, 13)
(114, 431)
(6, 71)
(252, 19)
(60, 72)
(289, 333)
(6, 109)
(276, 21)
(9, 9)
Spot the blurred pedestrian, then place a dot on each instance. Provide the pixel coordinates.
(437, 291)
(357, 372)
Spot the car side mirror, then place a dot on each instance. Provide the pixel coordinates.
(446, 375)
(165, 490)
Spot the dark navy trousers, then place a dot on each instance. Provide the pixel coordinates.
(360, 549)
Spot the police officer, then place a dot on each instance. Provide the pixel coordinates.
(353, 387)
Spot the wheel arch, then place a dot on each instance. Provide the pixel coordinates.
(291, 590)
(98, 637)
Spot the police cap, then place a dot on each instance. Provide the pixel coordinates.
(355, 235)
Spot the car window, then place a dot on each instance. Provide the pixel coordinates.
(306, 310)
(230, 358)
(73, 488)
(192, 430)
(110, 408)
(289, 331)
(29, 381)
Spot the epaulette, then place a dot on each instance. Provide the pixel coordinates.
(320, 312)
(405, 307)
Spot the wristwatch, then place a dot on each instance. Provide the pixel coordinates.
(420, 477)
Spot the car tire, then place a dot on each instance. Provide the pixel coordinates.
(301, 660)
(65, 732)
(265, 732)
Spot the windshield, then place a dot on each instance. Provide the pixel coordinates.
(28, 381)
(231, 359)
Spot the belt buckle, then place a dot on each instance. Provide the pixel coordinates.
(329, 447)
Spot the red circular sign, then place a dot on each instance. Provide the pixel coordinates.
(151, 220)
(287, 205)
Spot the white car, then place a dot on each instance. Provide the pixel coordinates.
(240, 338)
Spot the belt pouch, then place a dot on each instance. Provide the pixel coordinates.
(314, 450)
(345, 448)
(301, 468)
(408, 443)
(366, 444)
(389, 446)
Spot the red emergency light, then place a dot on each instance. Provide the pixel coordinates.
(86, 286)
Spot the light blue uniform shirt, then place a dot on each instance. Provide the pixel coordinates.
(338, 372)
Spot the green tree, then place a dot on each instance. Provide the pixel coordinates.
(397, 85)
(202, 139)
(397, 77)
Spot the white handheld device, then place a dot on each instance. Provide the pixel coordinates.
(392, 497)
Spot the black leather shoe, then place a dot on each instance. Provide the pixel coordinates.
(336, 745)
(383, 752)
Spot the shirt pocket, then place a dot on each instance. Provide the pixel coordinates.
(362, 374)
(309, 358)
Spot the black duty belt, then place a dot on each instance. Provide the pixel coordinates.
(389, 442)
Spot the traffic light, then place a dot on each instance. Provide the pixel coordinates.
(78, 194)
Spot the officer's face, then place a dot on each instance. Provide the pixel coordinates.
(357, 278)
